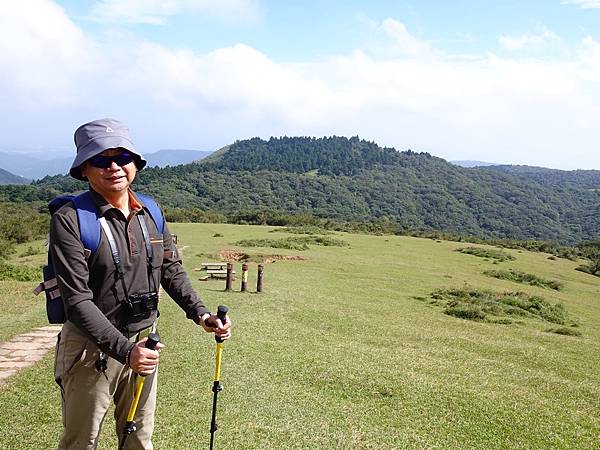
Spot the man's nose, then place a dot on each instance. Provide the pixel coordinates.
(113, 166)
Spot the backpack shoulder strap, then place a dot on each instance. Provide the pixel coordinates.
(87, 215)
(57, 202)
(154, 210)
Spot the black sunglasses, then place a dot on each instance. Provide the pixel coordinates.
(104, 162)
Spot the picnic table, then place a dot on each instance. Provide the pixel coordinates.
(215, 269)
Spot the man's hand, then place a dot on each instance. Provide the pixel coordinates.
(142, 360)
(212, 324)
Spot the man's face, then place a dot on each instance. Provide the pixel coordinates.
(106, 176)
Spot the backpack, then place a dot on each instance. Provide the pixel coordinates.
(89, 229)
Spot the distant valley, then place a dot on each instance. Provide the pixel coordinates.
(35, 165)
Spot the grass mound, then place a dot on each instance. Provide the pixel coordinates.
(565, 331)
(524, 278)
(307, 229)
(488, 253)
(293, 243)
(478, 304)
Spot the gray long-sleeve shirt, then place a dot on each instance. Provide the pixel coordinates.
(91, 291)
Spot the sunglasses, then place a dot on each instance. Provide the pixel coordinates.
(104, 162)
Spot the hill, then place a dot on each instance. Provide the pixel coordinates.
(10, 178)
(355, 180)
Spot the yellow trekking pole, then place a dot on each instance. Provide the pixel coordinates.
(221, 314)
(153, 340)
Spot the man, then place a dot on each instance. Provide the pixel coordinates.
(110, 295)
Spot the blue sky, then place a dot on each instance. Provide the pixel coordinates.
(502, 81)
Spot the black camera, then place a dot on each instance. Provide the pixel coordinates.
(141, 305)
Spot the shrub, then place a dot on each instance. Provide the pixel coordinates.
(9, 272)
(6, 248)
(473, 303)
(525, 278)
(293, 243)
(565, 331)
(497, 255)
(305, 229)
(469, 312)
(31, 251)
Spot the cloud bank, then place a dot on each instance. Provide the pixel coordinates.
(484, 107)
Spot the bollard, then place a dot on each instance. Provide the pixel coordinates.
(229, 280)
(259, 281)
(244, 277)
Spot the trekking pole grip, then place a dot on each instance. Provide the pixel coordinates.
(221, 314)
(152, 341)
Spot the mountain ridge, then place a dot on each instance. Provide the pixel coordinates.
(349, 179)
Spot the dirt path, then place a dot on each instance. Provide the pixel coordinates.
(25, 350)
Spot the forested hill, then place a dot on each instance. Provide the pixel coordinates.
(328, 156)
(354, 180)
(559, 179)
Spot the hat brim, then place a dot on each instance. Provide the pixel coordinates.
(97, 146)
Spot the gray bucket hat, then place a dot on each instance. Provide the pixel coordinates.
(94, 137)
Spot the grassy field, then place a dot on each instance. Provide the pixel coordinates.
(348, 350)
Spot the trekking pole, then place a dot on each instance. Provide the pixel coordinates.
(221, 313)
(153, 339)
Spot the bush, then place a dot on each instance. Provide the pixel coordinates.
(525, 278)
(305, 229)
(473, 303)
(9, 272)
(469, 312)
(21, 223)
(489, 253)
(6, 248)
(565, 331)
(31, 251)
(293, 243)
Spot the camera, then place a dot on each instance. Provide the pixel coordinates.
(141, 305)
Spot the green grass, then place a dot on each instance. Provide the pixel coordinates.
(524, 278)
(337, 354)
(21, 309)
(488, 253)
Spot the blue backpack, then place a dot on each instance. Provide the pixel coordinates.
(89, 229)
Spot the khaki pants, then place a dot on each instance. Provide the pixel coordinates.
(87, 393)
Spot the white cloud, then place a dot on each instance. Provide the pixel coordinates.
(157, 11)
(529, 40)
(584, 4)
(513, 110)
(43, 55)
(406, 43)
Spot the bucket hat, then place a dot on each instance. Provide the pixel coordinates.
(94, 137)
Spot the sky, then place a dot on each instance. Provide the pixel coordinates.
(515, 82)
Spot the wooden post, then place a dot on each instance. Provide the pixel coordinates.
(244, 277)
(229, 280)
(259, 281)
